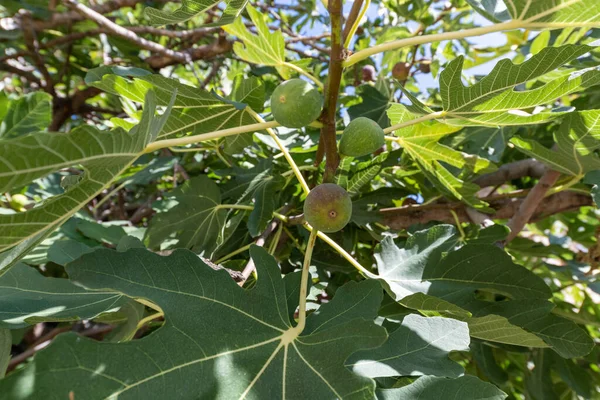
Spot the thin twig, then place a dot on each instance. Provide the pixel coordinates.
(126, 33)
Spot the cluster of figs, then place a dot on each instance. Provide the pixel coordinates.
(295, 104)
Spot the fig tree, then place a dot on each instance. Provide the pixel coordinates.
(362, 136)
(296, 103)
(328, 207)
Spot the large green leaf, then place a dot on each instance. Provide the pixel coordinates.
(195, 111)
(433, 388)
(577, 139)
(218, 341)
(420, 141)
(30, 113)
(28, 297)
(526, 323)
(265, 48)
(196, 222)
(419, 346)
(449, 284)
(190, 8)
(494, 101)
(101, 155)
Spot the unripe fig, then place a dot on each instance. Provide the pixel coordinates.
(362, 136)
(328, 207)
(401, 71)
(18, 202)
(296, 103)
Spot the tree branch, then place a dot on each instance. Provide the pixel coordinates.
(511, 171)
(354, 12)
(328, 116)
(30, 39)
(218, 47)
(403, 217)
(73, 16)
(533, 200)
(125, 33)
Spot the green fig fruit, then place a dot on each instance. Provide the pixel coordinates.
(18, 202)
(296, 103)
(362, 136)
(328, 208)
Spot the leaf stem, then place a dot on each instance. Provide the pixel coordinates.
(209, 136)
(427, 117)
(233, 253)
(304, 282)
(357, 13)
(285, 152)
(303, 72)
(340, 250)
(412, 41)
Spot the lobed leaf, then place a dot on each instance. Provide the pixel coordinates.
(22, 302)
(419, 346)
(241, 343)
(101, 155)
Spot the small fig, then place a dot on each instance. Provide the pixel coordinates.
(18, 202)
(362, 136)
(328, 207)
(425, 67)
(401, 71)
(369, 74)
(296, 103)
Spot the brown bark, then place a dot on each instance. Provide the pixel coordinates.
(404, 217)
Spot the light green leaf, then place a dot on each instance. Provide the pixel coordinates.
(28, 297)
(196, 221)
(365, 172)
(30, 113)
(245, 335)
(420, 141)
(195, 111)
(266, 48)
(250, 91)
(409, 349)
(5, 347)
(432, 388)
(546, 12)
(190, 8)
(493, 101)
(576, 141)
(341, 177)
(102, 156)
